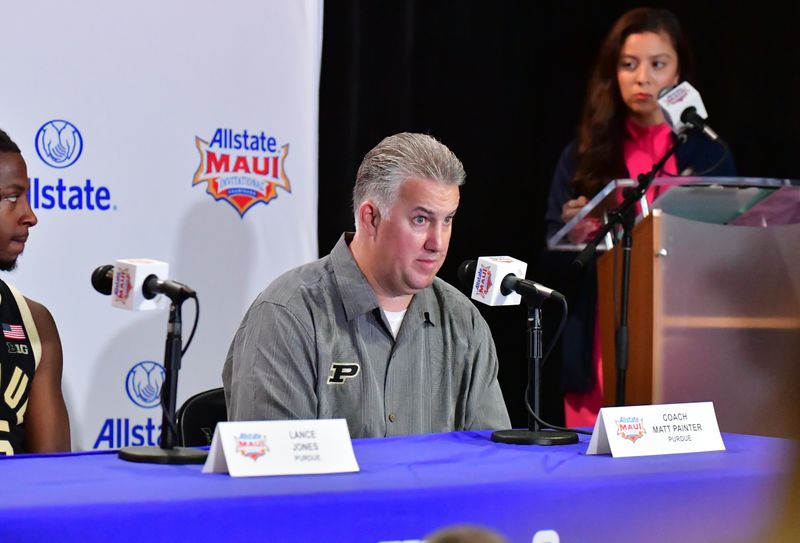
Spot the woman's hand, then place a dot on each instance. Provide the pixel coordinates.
(585, 228)
(572, 207)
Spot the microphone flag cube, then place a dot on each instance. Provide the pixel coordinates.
(489, 274)
(126, 285)
(678, 100)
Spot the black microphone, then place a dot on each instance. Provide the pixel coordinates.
(690, 116)
(173, 290)
(103, 277)
(466, 272)
(683, 108)
(510, 283)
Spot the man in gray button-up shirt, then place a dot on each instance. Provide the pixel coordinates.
(369, 333)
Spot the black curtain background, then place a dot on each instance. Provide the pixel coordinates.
(502, 84)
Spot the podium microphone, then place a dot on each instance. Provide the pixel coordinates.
(684, 109)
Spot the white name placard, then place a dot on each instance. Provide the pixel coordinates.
(281, 447)
(646, 430)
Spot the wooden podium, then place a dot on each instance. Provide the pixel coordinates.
(714, 303)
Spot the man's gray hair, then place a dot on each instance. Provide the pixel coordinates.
(399, 158)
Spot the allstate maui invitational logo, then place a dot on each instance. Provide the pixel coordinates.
(630, 428)
(242, 168)
(59, 143)
(483, 281)
(251, 445)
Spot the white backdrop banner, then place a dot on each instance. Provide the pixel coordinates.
(180, 131)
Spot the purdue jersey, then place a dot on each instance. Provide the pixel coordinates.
(19, 357)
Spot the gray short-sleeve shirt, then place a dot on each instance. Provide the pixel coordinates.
(315, 344)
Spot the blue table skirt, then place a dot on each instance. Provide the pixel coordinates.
(408, 487)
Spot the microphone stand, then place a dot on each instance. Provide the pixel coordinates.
(534, 435)
(625, 216)
(168, 452)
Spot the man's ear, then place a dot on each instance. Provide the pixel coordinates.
(369, 216)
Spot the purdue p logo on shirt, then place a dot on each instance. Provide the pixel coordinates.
(342, 371)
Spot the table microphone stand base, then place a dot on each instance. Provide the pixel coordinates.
(157, 455)
(530, 437)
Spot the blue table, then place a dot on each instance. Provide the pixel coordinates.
(407, 487)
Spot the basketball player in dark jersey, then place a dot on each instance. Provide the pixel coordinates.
(33, 416)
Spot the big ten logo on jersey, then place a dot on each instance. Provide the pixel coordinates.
(143, 387)
(17, 348)
(242, 168)
(59, 145)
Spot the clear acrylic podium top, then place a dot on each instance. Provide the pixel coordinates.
(742, 201)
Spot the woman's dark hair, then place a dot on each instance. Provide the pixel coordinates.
(6, 144)
(599, 155)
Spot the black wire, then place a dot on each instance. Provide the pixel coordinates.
(170, 420)
(559, 330)
(725, 152)
(194, 326)
(547, 424)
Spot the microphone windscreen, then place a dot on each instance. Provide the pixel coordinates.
(466, 272)
(101, 279)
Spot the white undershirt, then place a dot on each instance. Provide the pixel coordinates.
(395, 319)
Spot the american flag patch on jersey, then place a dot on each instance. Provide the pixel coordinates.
(13, 331)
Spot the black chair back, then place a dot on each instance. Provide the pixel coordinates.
(199, 415)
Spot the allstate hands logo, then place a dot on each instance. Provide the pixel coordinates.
(143, 383)
(59, 143)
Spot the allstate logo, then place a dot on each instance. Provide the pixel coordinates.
(59, 143)
(143, 383)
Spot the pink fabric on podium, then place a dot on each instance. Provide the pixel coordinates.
(581, 408)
